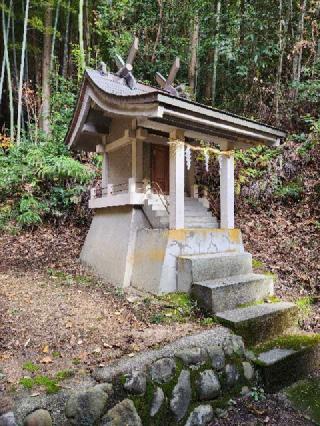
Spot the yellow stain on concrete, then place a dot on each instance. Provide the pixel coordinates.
(178, 234)
(153, 255)
(234, 235)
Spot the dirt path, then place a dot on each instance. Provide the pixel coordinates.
(58, 323)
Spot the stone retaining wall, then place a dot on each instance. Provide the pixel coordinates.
(187, 387)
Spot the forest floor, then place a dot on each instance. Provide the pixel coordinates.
(59, 318)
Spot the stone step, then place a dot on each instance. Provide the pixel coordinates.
(223, 294)
(280, 367)
(261, 322)
(203, 267)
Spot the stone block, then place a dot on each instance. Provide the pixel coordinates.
(205, 267)
(260, 322)
(281, 367)
(227, 293)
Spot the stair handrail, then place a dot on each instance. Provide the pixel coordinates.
(154, 186)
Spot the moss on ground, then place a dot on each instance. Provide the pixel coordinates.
(305, 396)
(50, 384)
(295, 342)
(177, 307)
(269, 299)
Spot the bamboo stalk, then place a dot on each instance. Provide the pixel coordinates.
(22, 63)
(9, 81)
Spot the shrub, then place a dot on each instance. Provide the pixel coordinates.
(39, 178)
(290, 191)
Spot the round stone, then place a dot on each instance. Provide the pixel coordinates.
(124, 413)
(38, 418)
(218, 360)
(209, 385)
(232, 375)
(136, 383)
(192, 356)
(162, 370)
(248, 370)
(86, 407)
(8, 419)
(200, 416)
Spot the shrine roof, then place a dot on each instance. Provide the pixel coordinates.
(105, 97)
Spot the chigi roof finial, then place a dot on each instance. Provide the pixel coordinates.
(167, 84)
(125, 67)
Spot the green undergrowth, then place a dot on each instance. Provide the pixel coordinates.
(50, 384)
(304, 305)
(295, 342)
(305, 396)
(175, 307)
(69, 279)
(262, 268)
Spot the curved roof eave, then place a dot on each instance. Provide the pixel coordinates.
(146, 102)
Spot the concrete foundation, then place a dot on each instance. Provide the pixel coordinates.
(109, 247)
(157, 251)
(123, 250)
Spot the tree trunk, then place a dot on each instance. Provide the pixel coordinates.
(8, 67)
(297, 58)
(46, 56)
(208, 84)
(216, 54)
(5, 36)
(87, 31)
(241, 25)
(66, 43)
(54, 35)
(23, 51)
(159, 30)
(194, 55)
(15, 67)
(282, 30)
(82, 64)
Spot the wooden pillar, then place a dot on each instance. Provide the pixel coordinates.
(176, 177)
(137, 159)
(226, 191)
(105, 170)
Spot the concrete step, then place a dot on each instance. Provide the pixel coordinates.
(261, 322)
(203, 223)
(203, 267)
(223, 294)
(198, 216)
(201, 226)
(280, 367)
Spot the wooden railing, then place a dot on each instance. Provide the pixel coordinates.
(115, 189)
